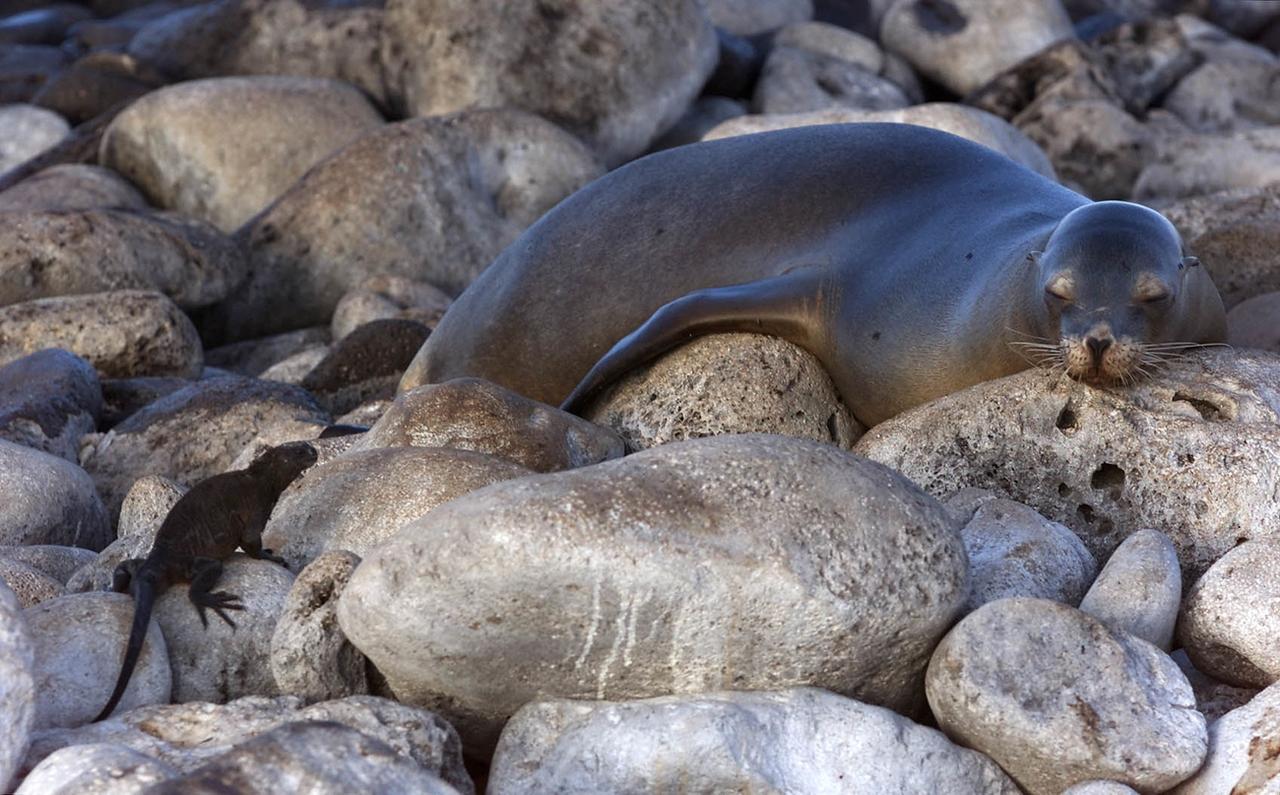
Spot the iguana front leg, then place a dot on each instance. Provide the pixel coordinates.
(204, 575)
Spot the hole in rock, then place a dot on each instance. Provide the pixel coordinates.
(940, 16)
(1207, 410)
(1063, 490)
(1109, 477)
(1067, 421)
(1085, 512)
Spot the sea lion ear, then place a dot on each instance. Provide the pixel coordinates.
(1189, 262)
(1034, 257)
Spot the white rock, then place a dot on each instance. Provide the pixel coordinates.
(800, 740)
(1140, 589)
(17, 685)
(1056, 698)
(80, 642)
(1230, 622)
(26, 131)
(95, 769)
(1244, 746)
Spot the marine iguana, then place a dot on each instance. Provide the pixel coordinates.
(213, 519)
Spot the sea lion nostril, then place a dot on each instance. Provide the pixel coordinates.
(1097, 347)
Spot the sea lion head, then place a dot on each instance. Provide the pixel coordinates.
(1112, 275)
(282, 463)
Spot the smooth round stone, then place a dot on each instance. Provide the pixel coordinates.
(1190, 166)
(796, 80)
(1242, 750)
(382, 297)
(800, 740)
(1236, 235)
(1252, 323)
(97, 768)
(726, 383)
(832, 41)
(1100, 788)
(1140, 589)
(751, 17)
(1014, 551)
(1229, 624)
(310, 657)
(80, 642)
(26, 131)
(222, 149)
(1056, 698)
(48, 400)
(255, 357)
(359, 500)
(121, 333)
(72, 186)
(56, 562)
(477, 415)
(48, 500)
(295, 368)
(365, 364)
(754, 561)
(17, 685)
(30, 585)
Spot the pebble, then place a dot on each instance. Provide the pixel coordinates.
(17, 685)
(477, 415)
(359, 500)
(1229, 625)
(750, 561)
(1140, 589)
(222, 149)
(1056, 698)
(122, 333)
(1108, 461)
(255, 357)
(80, 642)
(726, 383)
(798, 740)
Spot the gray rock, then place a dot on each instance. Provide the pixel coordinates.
(964, 43)
(320, 757)
(1195, 165)
(1213, 698)
(976, 125)
(1145, 59)
(365, 364)
(1100, 788)
(616, 75)
(121, 333)
(56, 562)
(124, 397)
(813, 566)
(429, 199)
(1014, 551)
(1093, 144)
(359, 500)
(797, 81)
(1140, 589)
(72, 186)
(96, 85)
(1055, 698)
(42, 25)
(1222, 97)
(96, 769)
(197, 432)
(1243, 747)
(145, 506)
(1236, 235)
(48, 400)
(222, 149)
(383, 297)
(17, 685)
(477, 415)
(268, 37)
(726, 383)
(254, 357)
(1229, 625)
(74, 252)
(1244, 18)
(26, 131)
(48, 500)
(79, 641)
(799, 740)
(1213, 43)
(832, 41)
(185, 736)
(220, 663)
(1252, 323)
(749, 17)
(310, 657)
(31, 585)
(24, 68)
(294, 369)
(1194, 451)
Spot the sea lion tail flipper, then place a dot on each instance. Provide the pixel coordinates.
(777, 306)
(144, 596)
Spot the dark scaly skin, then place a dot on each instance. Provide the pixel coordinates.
(219, 515)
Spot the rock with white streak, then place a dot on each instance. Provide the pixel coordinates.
(800, 740)
(1056, 698)
(1140, 589)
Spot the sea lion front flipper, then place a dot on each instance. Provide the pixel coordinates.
(782, 306)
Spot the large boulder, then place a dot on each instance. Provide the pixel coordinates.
(1252, 323)
(1194, 451)
(614, 74)
(432, 199)
(753, 561)
(222, 149)
(1057, 699)
(800, 740)
(1195, 165)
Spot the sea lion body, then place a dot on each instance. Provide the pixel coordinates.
(897, 255)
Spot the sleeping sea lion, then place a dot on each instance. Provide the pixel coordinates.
(912, 263)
